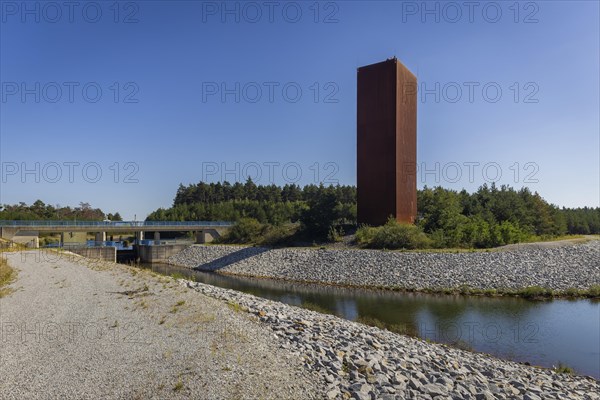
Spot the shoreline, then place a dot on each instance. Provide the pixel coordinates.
(592, 293)
(403, 271)
(336, 358)
(365, 362)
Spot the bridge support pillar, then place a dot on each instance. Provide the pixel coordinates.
(207, 235)
(139, 235)
(101, 237)
(157, 236)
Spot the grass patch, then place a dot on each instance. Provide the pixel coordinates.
(593, 291)
(235, 306)
(178, 386)
(396, 328)
(551, 238)
(7, 275)
(573, 292)
(314, 307)
(530, 292)
(177, 275)
(489, 292)
(535, 292)
(176, 306)
(564, 369)
(345, 366)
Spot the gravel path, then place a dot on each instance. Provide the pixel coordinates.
(553, 267)
(77, 328)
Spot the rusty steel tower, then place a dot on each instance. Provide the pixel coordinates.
(386, 143)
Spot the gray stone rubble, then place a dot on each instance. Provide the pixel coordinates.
(559, 268)
(361, 362)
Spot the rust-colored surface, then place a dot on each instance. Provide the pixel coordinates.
(386, 143)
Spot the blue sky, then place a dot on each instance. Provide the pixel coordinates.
(116, 106)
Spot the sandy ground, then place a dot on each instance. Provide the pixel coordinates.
(78, 328)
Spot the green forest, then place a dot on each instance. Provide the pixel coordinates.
(292, 215)
(40, 211)
(269, 214)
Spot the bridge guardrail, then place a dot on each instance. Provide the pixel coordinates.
(119, 224)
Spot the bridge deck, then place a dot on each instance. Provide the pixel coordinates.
(114, 226)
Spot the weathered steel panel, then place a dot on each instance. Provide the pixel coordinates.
(406, 145)
(386, 143)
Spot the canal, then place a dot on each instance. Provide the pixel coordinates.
(543, 333)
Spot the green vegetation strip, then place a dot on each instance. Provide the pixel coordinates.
(530, 292)
(290, 215)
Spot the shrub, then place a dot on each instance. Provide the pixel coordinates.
(509, 232)
(246, 230)
(278, 235)
(393, 235)
(335, 234)
(564, 369)
(364, 235)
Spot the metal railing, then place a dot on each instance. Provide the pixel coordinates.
(116, 224)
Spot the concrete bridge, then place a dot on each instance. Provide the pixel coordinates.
(27, 232)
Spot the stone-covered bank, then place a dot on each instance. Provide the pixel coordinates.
(557, 268)
(362, 362)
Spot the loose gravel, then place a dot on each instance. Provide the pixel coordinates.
(82, 329)
(557, 268)
(362, 362)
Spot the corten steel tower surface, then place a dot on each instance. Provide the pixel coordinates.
(386, 143)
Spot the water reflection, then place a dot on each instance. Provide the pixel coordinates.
(542, 333)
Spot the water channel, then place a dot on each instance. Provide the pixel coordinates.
(542, 333)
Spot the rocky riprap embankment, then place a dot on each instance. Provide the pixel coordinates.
(363, 362)
(558, 268)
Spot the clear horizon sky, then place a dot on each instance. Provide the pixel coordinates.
(116, 104)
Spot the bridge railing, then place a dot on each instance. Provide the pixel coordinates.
(115, 224)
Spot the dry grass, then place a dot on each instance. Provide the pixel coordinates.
(7, 275)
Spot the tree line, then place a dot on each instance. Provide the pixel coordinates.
(41, 211)
(489, 217)
(494, 216)
(268, 204)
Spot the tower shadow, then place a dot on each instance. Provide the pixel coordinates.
(231, 258)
